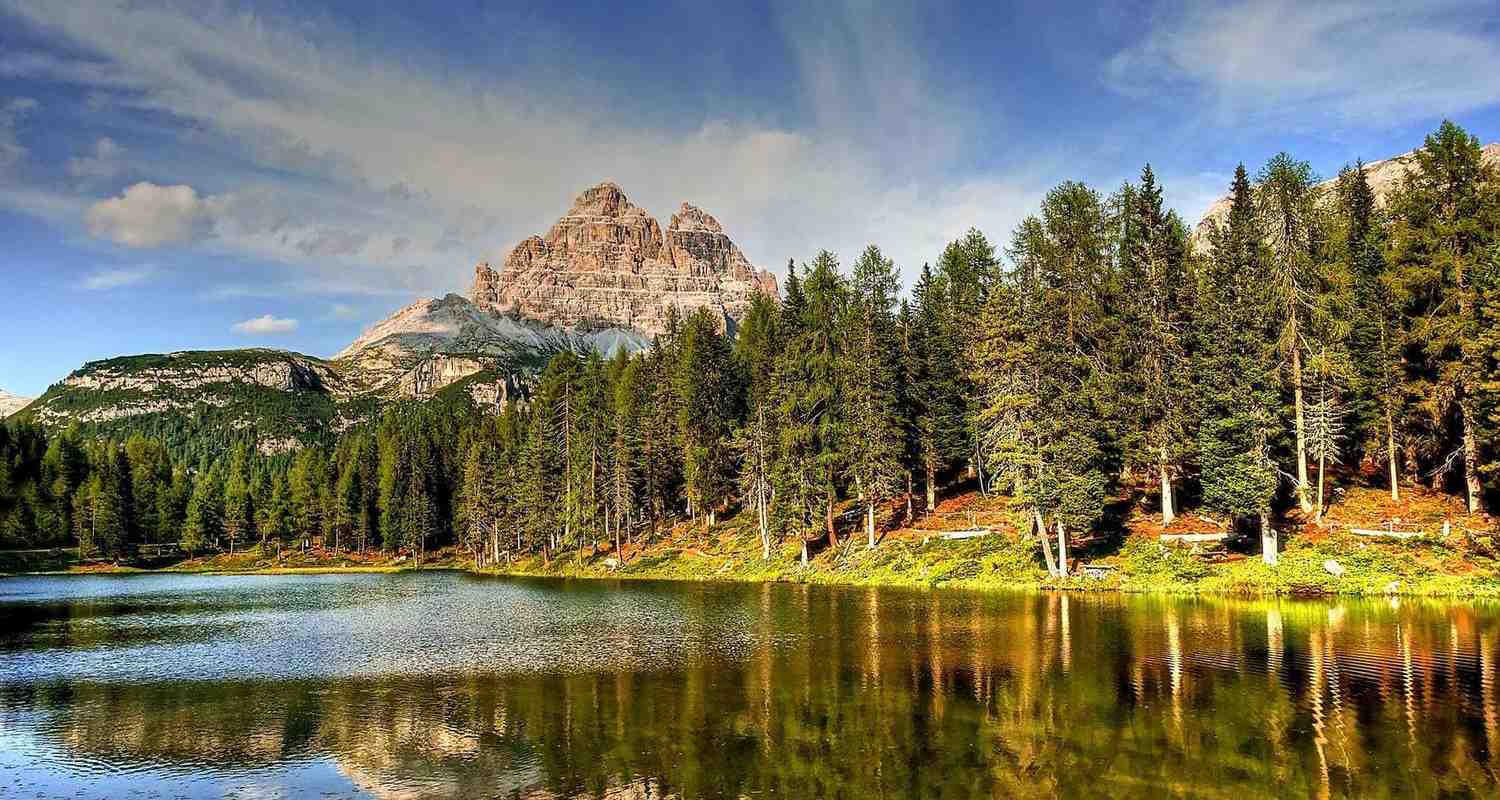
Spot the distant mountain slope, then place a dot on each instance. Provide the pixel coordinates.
(11, 403)
(283, 399)
(604, 279)
(1384, 176)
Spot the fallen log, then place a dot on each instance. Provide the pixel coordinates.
(1192, 538)
(1390, 534)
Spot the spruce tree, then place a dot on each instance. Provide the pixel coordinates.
(1375, 333)
(1235, 370)
(935, 380)
(756, 349)
(1157, 312)
(1287, 200)
(1445, 220)
(876, 434)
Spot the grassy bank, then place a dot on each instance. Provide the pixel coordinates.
(1459, 563)
(1133, 559)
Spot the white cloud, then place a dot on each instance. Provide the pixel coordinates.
(1378, 62)
(266, 325)
(116, 278)
(373, 174)
(148, 215)
(104, 163)
(343, 311)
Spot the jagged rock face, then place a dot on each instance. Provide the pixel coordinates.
(1384, 177)
(608, 263)
(11, 403)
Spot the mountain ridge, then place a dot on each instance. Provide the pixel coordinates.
(605, 278)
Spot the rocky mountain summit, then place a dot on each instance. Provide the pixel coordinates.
(607, 264)
(1384, 177)
(605, 278)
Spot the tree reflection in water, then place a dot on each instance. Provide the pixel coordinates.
(872, 693)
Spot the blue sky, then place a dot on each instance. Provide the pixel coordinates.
(211, 174)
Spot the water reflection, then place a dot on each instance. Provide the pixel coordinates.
(815, 693)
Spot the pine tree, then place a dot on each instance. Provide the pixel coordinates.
(277, 517)
(204, 524)
(936, 384)
(811, 401)
(1157, 312)
(1287, 203)
(1375, 333)
(478, 509)
(755, 352)
(1445, 215)
(625, 467)
(239, 498)
(876, 435)
(707, 394)
(1235, 370)
(968, 269)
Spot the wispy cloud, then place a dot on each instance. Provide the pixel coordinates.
(11, 113)
(372, 172)
(266, 325)
(103, 163)
(1369, 62)
(117, 278)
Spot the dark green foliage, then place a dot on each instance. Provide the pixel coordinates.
(1103, 360)
(1236, 365)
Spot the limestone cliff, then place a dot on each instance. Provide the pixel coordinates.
(607, 263)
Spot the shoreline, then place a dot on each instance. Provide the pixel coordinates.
(994, 563)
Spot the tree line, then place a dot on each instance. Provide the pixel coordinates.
(1312, 335)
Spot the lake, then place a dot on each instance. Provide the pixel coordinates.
(449, 685)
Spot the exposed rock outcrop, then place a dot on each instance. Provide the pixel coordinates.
(433, 343)
(605, 278)
(11, 403)
(1384, 177)
(607, 263)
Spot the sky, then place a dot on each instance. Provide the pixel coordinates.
(211, 174)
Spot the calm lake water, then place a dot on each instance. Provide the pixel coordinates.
(447, 685)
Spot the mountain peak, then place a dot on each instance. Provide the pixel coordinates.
(607, 263)
(602, 199)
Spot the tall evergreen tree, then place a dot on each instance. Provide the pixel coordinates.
(1374, 330)
(755, 351)
(1445, 220)
(876, 435)
(1287, 203)
(935, 381)
(1157, 312)
(1235, 370)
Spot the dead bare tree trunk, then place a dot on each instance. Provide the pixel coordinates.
(1322, 469)
(1062, 551)
(1471, 458)
(1268, 549)
(1390, 452)
(1302, 499)
(1168, 513)
(1041, 534)
(870, 524)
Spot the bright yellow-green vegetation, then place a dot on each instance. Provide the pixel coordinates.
(1460, 565)
(1427, 565)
